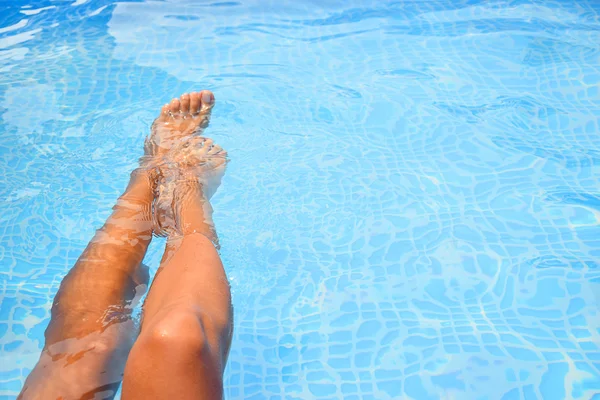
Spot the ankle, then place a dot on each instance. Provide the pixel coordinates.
(182, 208)
(140, 189)
(193, 211)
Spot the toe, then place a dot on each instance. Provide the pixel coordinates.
(207, 98)
(185, 102)
(164, 112)
(217, 150)
(174, 106)
(208, 144)
(195, 102)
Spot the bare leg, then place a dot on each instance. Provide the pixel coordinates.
(89, 334)
(185, 336)
(90, 331)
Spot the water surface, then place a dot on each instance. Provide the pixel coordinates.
(412, 207)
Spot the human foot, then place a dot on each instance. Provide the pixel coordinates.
(182, 117)
(193, 176)
(199, 159)
(181, 162)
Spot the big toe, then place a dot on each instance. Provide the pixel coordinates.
(201, 101)
(207, 98)
(216, 151)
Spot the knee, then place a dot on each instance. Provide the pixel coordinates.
(176, 333)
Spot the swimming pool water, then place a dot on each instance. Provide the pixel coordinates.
(411, 211)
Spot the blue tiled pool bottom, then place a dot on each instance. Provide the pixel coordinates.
(412, 206)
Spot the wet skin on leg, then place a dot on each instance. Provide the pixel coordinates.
(186, 331)
(91, 332)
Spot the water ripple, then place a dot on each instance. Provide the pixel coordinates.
(411, 209)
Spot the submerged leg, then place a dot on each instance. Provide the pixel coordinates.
(185, 336)
(90, 331)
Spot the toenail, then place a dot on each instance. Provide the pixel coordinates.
(207, 98)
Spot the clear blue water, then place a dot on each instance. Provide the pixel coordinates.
(412, 209)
